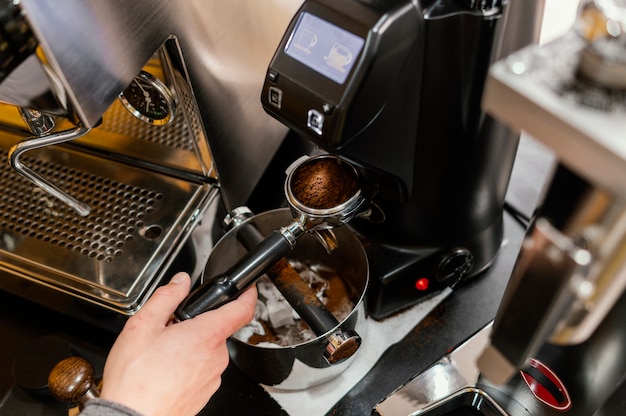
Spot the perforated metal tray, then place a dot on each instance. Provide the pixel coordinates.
(115, 256)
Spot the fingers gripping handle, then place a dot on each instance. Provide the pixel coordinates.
(227, 286)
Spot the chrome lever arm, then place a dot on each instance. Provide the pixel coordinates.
(37, 142)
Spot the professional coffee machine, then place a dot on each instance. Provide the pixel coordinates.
(130, 196)
(558, 342)
(125, 198)
(563, 310)
(394, 87)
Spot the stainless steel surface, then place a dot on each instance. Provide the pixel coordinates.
(264, 254)
(300, 296)
(454, 372)
(223, 49)
(148, 187)
(38, 123)
(528, 91)
(213, 57)
(341, 346)
(115, 256)
(320, 222)
(468, 401)
(302, 365)
(312, 218)
(550, 261)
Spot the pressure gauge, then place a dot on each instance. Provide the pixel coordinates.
(149, 99)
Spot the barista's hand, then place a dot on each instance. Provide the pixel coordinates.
(160, 369)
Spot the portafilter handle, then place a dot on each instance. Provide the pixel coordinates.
(72, 380)
(316, 205)
(341, 344)
(323, 192)
(227, 286)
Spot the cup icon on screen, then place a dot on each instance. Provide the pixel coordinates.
(338, 57)
(305, 41)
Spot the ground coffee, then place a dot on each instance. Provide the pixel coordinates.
(324, 183)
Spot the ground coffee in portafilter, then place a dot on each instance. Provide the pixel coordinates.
(324, 183)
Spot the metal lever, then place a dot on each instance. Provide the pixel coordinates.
(40, 124)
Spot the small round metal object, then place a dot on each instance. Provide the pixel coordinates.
(341, 346)
(72, 380)
(601, 25)
(149, 99)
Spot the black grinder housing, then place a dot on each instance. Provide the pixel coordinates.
(394, 87)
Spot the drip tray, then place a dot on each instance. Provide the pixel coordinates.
(113, 257)
(466, 402)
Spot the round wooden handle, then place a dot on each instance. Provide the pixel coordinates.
(72, 380)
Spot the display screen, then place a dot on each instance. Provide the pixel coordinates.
(324, 47)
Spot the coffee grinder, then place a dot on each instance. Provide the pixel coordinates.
(394, 88)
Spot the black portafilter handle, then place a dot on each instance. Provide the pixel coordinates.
(341, 344)
(230, 284)
(295, 290)
(266, 256)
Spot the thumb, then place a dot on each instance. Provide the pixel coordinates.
(158, 310)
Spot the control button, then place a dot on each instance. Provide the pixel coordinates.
(272, 75)
(454, 266)
(315, 121)
(275, 96)
(328, 108)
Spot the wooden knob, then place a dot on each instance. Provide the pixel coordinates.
(72, 380)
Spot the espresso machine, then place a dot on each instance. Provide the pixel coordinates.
(558, 341)
(394, 88)
(129, 127)
(400, 102)
(571, 268)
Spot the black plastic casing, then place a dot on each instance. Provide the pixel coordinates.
(409, 117)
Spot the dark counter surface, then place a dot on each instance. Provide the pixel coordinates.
(467, 310)
(23, 324)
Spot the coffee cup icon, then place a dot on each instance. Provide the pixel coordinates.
(338, 57)
(306, 40)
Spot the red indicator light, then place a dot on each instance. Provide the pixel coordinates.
(422, 283)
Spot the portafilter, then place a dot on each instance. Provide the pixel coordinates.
(323, 192)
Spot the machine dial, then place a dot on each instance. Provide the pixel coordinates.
(149, 99)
